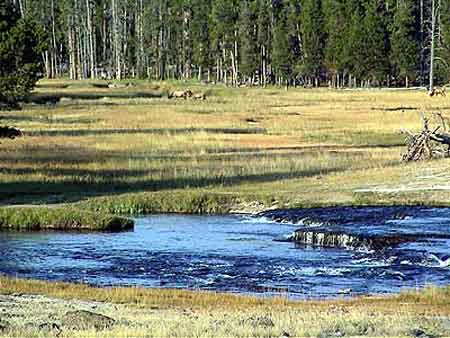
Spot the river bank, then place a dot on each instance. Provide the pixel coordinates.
(60, 218)
(39, 309)
(112, 213)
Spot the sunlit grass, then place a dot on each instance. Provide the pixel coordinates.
(175, 313)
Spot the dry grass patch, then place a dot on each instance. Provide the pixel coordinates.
(177, 313)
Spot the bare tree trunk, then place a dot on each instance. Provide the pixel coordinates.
(233, 66)
(422, 43)
(46, 64)
(90, 32)
(140, 38)
(200, 73)
(73, 60)
(264, 66)
(186, 44)
(434, 12)
(21, 7)
(116, 40)
(236, 57)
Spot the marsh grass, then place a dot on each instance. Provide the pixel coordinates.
(61, 218)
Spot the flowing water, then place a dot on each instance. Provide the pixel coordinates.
(244, 254)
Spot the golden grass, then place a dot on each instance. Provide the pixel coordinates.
(175, 313)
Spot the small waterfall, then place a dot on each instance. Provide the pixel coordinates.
(332, 239)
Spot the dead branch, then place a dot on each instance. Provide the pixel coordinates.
(429, 143)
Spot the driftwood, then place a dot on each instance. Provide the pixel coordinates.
(9, 132)
(429, 143)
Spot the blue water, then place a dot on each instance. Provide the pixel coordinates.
(240, 254)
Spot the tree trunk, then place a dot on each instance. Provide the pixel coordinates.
(433, 36)
(264, 66)
(90, 33)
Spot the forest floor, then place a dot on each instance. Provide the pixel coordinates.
(39, 309)
(250, 148)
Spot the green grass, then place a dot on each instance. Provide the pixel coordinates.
(61, 218)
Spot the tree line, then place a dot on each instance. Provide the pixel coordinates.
(338, 43)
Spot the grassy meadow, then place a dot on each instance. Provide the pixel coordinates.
(131, 150)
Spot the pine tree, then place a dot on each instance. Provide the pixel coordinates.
(224, 36)
(443, 65)
(248, 39)
(281, 53)
(201, 35)
(405, 51)
(21, 44)
(351, 55)
(334, 30)
(264, 37)
(313, 39)
(294, 34)
(375, 43)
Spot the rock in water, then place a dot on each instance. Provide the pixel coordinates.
(330, 239)
(82, 320)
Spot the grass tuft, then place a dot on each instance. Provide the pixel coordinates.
(61, 218)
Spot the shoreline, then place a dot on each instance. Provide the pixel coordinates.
(114, 213)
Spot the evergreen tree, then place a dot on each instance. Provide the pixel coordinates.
(248, 39)
(312, 38)
(294, 34)
(201, 35)
(346, 42)
(351, 55)
(334, 30)
(375, 43)
(281, 53)
(20, 60)
(224, 36)
(405, 51)
(264, 38)
(443, 64)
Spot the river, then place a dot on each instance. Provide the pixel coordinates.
(242, 254)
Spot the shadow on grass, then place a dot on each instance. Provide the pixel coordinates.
(70, 190)
(149, 131)
(44, 98)
(48, 119)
